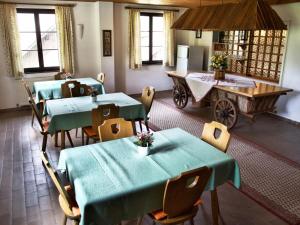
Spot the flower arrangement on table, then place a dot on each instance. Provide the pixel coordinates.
(219, 63)
(144, 142)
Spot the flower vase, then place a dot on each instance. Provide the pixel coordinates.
(143, 150)
(219, 74)
(93, 98)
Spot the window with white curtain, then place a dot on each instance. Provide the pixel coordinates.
(152, 38)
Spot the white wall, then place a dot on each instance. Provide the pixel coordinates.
(106, 13)
(289, 106)
(133, 81)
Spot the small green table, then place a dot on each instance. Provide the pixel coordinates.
(113, 182)
(71, 113)
(52, 89)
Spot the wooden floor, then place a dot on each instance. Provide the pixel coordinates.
(27, 196)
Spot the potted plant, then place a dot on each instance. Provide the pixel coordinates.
(145, 140)
(219, 64)
(93, 93)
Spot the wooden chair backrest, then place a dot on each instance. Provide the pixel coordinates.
(209, 135)
(101, 77)
(37, 113)
(102, 113)
(59, 76)
(55, 178)
(27, 89)
(116, 128)
(70, 89)
(147, 98)
(84, 90)
(182, 192)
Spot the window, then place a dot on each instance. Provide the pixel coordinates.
(152, 38)
(259, 54)
(38, 40)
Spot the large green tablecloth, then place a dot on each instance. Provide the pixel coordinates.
(70, 113)
(113, 182)
(52, 89)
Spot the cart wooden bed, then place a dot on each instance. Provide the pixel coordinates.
(228, 102)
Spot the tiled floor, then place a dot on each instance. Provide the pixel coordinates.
(27, 195)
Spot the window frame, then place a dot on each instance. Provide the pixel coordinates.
(41, 67)
(151, 61)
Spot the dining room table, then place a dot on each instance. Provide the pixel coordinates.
(51, 89)
(71, 113)
(114, 182)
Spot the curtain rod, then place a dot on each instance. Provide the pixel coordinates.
(22, 3)
(148, 8)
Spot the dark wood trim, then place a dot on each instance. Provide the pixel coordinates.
(35, 3)
(150, 8)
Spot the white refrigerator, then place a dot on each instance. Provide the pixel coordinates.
(189, 58)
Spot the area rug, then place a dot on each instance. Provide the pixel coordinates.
(267, 178)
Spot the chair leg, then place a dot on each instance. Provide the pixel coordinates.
(215, 207)
(87, 140)
(147, 126)
(32, 118)
(56, 139)
(141, 127)
(82, 136)
(44, 144)
(64, 220)
(140, 220)
(69, 138)
(76, 133)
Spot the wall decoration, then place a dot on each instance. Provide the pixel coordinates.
(107, 45)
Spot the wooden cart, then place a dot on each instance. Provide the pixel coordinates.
(228, 102)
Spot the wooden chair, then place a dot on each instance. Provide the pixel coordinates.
(99, 115)
(66, 197)
(182, 197)
(70, 89)
(112, 129)
(210, 132)
(60, 75)
(101, 77)
(85, 90)
(40, 104)
(147, 100)
(44, 126)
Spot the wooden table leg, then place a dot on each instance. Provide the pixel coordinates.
(215, 206)
(63, 142)
(133, 125)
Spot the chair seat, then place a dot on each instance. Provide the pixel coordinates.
(160, 214)
(90, 132)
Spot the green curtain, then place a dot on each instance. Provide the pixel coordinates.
(135, 61)
(9, 28)
(64, 20)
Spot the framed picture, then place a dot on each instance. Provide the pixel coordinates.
(106, 35)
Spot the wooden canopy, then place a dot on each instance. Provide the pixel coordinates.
(247, 15)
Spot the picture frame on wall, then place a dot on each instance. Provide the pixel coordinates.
(107, 45)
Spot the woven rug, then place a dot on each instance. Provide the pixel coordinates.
(269, 179)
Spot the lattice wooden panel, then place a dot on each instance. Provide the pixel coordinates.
(260, 55)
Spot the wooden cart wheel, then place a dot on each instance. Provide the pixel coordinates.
(225, 112)
(180, 96)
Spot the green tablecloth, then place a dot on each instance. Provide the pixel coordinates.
(113, 182)
(52, 89)
(70, 113)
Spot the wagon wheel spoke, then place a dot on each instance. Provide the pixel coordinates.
(225, 112)
(180, 96)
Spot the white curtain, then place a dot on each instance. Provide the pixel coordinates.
(9, 27)
(169, 17)
(135, 61)
(64, 21)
